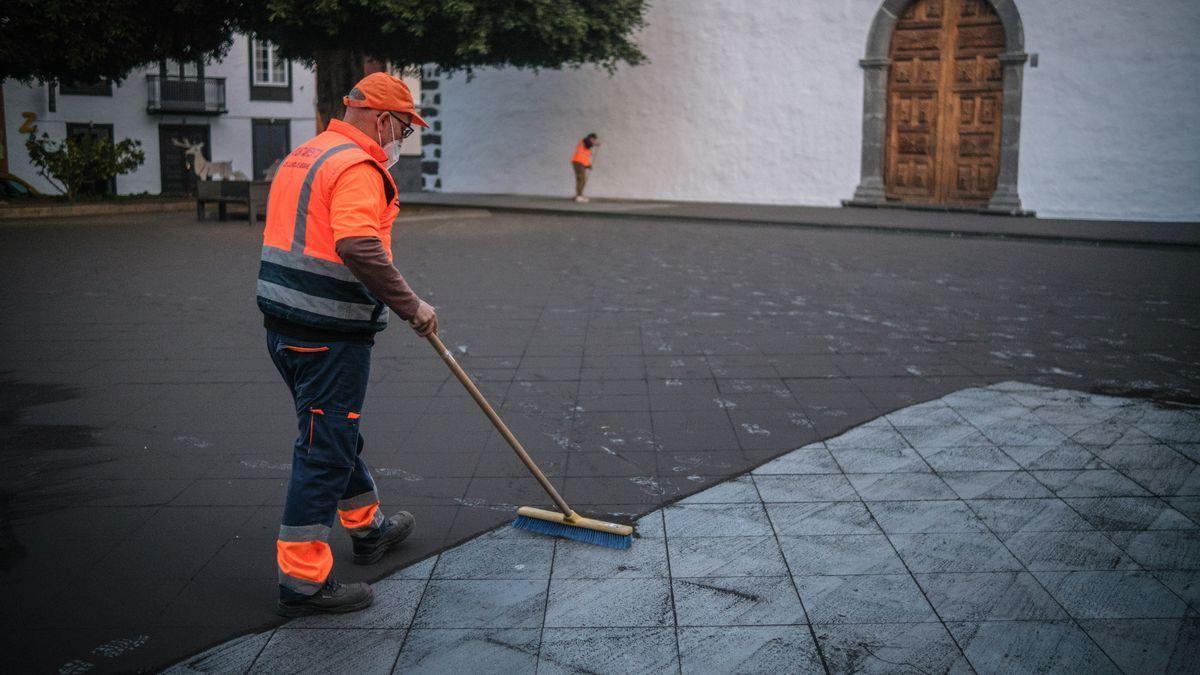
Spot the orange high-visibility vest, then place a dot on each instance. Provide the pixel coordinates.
(301, 278)
(583, 155)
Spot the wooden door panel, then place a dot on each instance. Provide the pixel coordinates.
(944, 100)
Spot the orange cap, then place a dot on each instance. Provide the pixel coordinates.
(381, 91)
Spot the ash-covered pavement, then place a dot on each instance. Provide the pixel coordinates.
(146, 437)
(1015, 528)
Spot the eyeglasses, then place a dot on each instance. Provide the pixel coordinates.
(407, 128)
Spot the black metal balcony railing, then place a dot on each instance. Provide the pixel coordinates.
(195, 95)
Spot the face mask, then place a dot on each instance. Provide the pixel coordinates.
(392, 147)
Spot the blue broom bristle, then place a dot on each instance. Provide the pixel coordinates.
(583, 534)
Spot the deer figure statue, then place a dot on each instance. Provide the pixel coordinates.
(204, 169)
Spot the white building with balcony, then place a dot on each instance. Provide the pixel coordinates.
(250, 108)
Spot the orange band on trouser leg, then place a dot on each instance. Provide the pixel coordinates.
(305, 564)
(360, 514)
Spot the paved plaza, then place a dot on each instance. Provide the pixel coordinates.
(146, 441)
(1010, 529)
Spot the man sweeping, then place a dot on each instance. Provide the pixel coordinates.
(581, 162)
(325, 287)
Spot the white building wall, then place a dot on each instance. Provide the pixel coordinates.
(126, 111)
(761, 101)
(1110, 124)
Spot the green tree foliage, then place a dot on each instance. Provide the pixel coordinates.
(80, 161)
(87, 40)
(457, 34)
(335, 35)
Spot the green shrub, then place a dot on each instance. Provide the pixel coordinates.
(81, 161)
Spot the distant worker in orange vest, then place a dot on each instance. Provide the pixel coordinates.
(582, 163)
(325, 286)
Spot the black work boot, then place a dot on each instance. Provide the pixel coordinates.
(333, 598)
(370, 549)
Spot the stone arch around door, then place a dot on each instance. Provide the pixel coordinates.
(871, 189)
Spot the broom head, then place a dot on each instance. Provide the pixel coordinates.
(574, 526)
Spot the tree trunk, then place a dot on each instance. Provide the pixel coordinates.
(337, 71)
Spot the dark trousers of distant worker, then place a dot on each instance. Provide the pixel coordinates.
(328, 381)
(581, 173)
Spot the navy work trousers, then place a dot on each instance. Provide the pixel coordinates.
(328, 382)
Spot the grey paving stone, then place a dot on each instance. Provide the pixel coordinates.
(968, 458)
(1111, 432)
(609, 602)
(989, 596)
(417, 570)
(486, 558)
(1130, 513)
(1066, 455)
(650, 525)
(814, 458)
(716, 520)
(1021, 432)
(1168, 482)
(821, 518)
(1030, 647)
(879, 460)
(994, 485)
(924, 414)
(1066, 551)
(1161, 550)
(740, 490)
(959, 435)
(840, 554)
(394, 607)
(882, 598)
(1093, 483)
(608, 650)
(954, 552)
(978, 397)
(1181, 431)
(308, 650)
(981, 415)
(1189, 450)
(726, 557)
(235, 656)
(748, 649)
(1114, 594)
(736, 601)
(647, 558)
(1148, 645)
(869, 437)
(887, 648)
(898, 486)
(1028, 515)
(1188, 506)
(805, 488)
(1072, 414)
(1184, 583)
(925, 516)
(1157, 456)
(482, 603)
(487, 650)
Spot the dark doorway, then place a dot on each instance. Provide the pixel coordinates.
(272, 141)
(178, 178)
(74, 130)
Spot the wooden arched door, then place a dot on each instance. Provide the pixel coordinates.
(944, 102)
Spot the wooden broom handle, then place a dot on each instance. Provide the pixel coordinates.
(500, 426)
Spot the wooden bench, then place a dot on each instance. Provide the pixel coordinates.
(251, 193)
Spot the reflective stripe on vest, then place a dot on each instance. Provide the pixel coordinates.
(313, 291)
